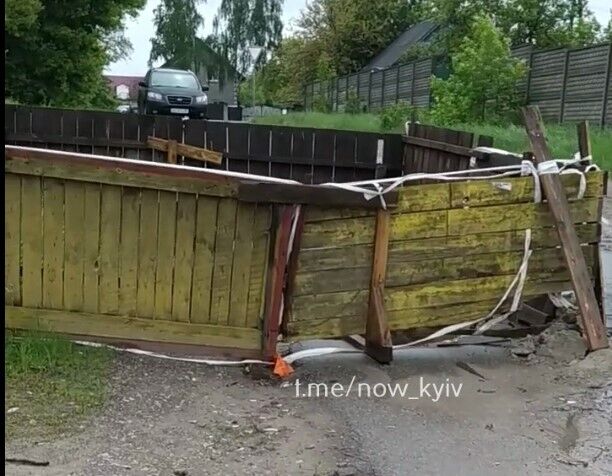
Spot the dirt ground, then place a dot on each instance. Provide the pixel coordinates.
(546, 413)
(541, 408)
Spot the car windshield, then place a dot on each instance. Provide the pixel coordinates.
(173, 79)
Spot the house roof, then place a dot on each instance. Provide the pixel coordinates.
(419, 33)
(130, 81)
(209, 57)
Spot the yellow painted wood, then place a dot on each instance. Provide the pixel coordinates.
(148, 236)
(514, 190)
(339, 304)
(416, 198)
(110, 225)
(74, 248)
(128, 251)
(53, 243)
(331, 280)
(241, 266)
(342, 232)
(206, 223)
(440, 315)
(224, 252)
(12, 239)
(469, 244)
(325, 328)
(89, 171)
(516, 216)
(124, 327)
(259, 266)
(409, 226)
(183, 267)
(466, 290)
(166, 239)
(91, 265)
(314, 214)
(316, 259)
(474, 266)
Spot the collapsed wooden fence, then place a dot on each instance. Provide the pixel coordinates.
(141, 251)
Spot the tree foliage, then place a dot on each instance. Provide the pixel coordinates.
(55, 51)
(483, 81)
(351, 32)
(240, 24)
(176, 24)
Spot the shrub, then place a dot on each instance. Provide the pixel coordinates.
(320, 104)
(353, 103)
(483, 79)
(396, 115)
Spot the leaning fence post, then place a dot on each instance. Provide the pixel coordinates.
(378, 335)
(276, 282)
(590, 317)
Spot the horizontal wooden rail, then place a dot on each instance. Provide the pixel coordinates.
(111, 170)
(434, 144)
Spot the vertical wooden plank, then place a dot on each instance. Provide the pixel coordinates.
(53, 243)
(128, 250)
(590, 316)
(164, 274)
(274, 292)
(91, 266)
(110, 226)
(148, 236)
(74, 248)
(222, 271)
(12, 239)
(378, 335)
(206, 225)
(171, 151)
(32, 237)
(241, 268)
(259, 265)
(183, 266)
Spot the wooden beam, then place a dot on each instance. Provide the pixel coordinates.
(196, 153)
(437, 145)
(310, 195)
(292, 268)
(276, 282)
(378, 335)
(590, 316)
(584, 140)
(172, 151)
(129, 327)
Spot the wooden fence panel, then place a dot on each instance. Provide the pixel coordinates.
(440, 250)
(133, 262)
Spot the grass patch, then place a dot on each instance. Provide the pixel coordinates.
(52, 383)
(563, 139)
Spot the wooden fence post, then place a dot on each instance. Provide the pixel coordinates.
(276, 282)
(378, 335)
(590, 317)
(604, 105)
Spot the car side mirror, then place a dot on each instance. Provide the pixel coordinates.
(142, 84)
(205, 88)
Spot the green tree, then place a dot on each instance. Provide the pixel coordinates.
(176, 24)
(483, 80)
(240, 24)
(607, 33)
(56, 51)
(351, 32)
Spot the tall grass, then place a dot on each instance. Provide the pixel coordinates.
(562, 139)
(50, 383)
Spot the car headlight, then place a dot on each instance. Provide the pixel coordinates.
(201, 99)
(155, 96)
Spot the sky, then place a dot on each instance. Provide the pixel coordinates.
(140, 30)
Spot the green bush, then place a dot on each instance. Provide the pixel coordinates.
(321, 104)
(353, 103)
(482, 85)
(396, 115)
